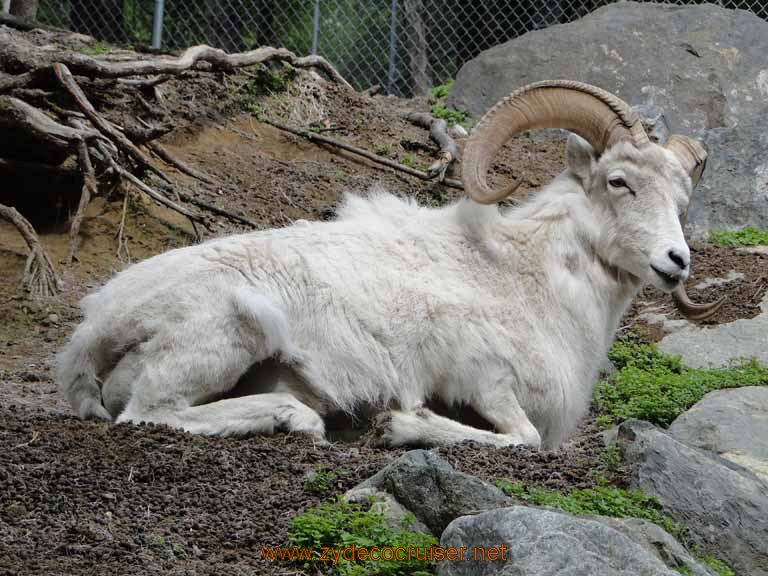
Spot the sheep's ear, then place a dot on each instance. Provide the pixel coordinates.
(581, 157)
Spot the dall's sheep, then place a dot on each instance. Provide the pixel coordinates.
(392, 305)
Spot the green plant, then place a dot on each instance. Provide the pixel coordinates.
(320, 480)
(96, 49)
(610, 457)
(657, 387)
(601, 500)
(410, 160)
(341, 524)
(383, 149)
(450, 115)
(441, 92)
(749, 236)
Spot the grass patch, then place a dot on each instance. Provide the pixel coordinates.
(601, 501)
(720, 567)
(340, 525)
(749, 236)
(653, 386)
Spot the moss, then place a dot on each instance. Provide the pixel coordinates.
(340, 524)
(650, 385)
(749, 236)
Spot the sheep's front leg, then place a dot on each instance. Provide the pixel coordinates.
(498, 404)
(422, 427)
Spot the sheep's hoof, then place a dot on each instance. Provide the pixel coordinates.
(380, 433)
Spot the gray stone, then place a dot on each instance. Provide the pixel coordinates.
(731, 423)
(733, 276)
(724, 505)
(733, 192)
(543, 542)
(385, 504)
(703, 65)
(430, 488)
(659, 542)
(701, 347)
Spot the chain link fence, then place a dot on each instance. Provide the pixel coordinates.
(404, 46)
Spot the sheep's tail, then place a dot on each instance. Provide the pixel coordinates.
(76, 376)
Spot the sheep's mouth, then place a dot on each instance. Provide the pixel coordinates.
(668, 279)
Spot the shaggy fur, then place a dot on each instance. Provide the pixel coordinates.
(391, 304)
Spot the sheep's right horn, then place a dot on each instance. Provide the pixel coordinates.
(598, 116)
(690, 153)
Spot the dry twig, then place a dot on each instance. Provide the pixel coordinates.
(360, 152)
(166, 156)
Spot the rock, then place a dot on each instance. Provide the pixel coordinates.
(760, 250)
(731, 423)
(733, 276)
(430, 488)
(543, 542)
(385, 504)
(713, 85)
(714, 72)
(733, 192)
(717, 345)
(724, 505)
(656, 540)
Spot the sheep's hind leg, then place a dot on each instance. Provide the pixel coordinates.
(422, 427)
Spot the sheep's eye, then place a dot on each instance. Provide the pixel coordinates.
(617, 182)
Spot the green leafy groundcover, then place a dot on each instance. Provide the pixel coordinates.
(748, 236)
(650, 385)
(341, 524)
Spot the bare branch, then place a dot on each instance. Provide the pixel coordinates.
(361, 152)
(181, 166)
(438, 132)
(89, 190)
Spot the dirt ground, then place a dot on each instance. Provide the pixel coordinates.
(91, 498)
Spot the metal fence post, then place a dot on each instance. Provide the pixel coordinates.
(157, 24)
(392, 48)
(315, 26)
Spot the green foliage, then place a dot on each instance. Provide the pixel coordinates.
(654, 386)
(610, 457)
(601, 500)
(96, 49)
(441, 92)
(749, 236)
(319, 481)
(383, 149)
(450, 115)
(340, 525)
(720, 567)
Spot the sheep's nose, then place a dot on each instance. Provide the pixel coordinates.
(680, 260)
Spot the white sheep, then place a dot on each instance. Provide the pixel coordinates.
(393, 305)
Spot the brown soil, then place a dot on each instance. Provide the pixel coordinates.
(85, 498)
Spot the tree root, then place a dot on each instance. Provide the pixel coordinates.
(438, 132)
(89, 190)
(218, 59)
(169, 158)
(121, 141)
(39, 275)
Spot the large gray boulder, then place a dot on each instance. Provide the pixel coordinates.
(724, 505)
(731, 423)
(430, 488)
(704, 65)
(714, 346)
(733, 192)
(547, 543)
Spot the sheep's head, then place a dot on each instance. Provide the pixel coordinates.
(642, 189)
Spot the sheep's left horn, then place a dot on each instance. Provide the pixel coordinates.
(598, 116)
